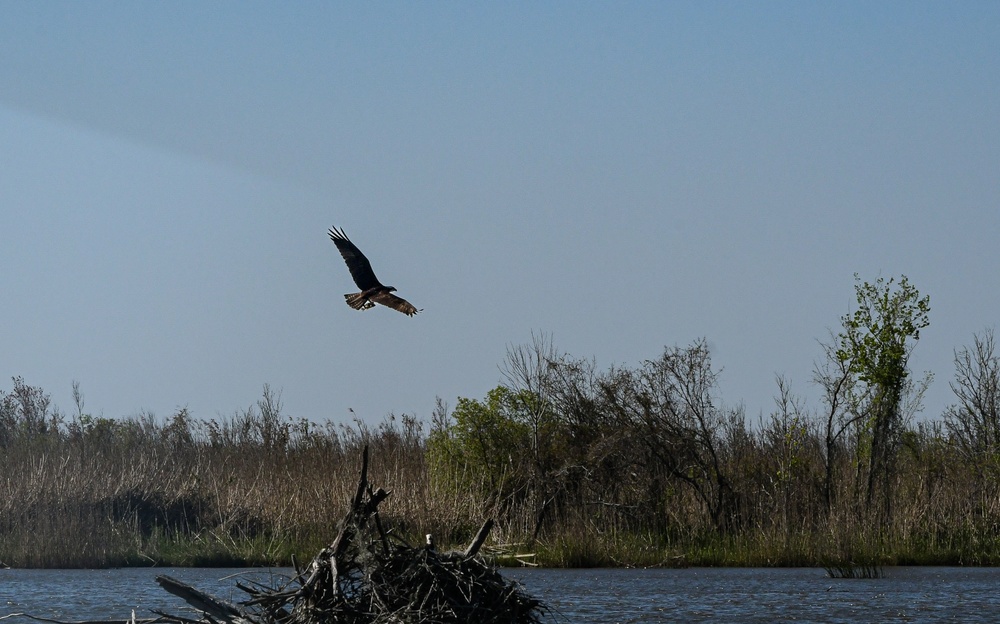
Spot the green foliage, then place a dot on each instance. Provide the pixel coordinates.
(874, 346)
(485, 440)
(876, 337)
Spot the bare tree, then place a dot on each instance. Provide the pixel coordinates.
(834, 377)
(527, 371)
(787, 443)
(25, 414)
(671, 407)
(527, 368)
(974, 422)
(578, 457)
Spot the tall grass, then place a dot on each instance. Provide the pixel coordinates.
(254, 488)
(259, 487)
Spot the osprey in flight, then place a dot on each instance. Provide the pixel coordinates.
(372, 290)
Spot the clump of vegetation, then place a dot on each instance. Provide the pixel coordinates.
(850, 570)
(640, 465)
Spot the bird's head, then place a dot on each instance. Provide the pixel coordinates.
(390, 289)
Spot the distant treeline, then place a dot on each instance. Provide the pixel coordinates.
(579, 466)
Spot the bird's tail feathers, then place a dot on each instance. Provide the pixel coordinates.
(358, 301)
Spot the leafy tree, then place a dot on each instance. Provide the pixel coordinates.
(875, 346)
(487, 440)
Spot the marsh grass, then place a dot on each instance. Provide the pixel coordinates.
(851, 570)
(248, 490)
(259, 487)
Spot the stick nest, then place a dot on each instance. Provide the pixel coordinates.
(368, 576)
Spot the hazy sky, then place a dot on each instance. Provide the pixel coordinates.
(621, 175)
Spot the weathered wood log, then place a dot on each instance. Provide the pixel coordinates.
(206, 603)
(477, 543)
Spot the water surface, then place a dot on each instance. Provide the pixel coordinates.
(603, 595)
(768, 595)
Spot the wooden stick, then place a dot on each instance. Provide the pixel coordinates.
(480, 538)
(363, 481)
(198, 599)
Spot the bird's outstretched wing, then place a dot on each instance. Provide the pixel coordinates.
(396, 303)
(357, 263)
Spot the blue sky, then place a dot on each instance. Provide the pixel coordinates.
(621, 176)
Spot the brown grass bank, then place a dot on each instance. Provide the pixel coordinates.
(572, 490)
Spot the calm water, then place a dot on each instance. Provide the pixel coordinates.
(605, 596)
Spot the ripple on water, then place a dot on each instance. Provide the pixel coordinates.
(602, 595)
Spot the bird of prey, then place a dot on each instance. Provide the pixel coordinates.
(372, 290)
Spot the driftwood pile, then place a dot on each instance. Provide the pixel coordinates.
(368, 576)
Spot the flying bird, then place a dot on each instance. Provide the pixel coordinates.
(372, 290)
